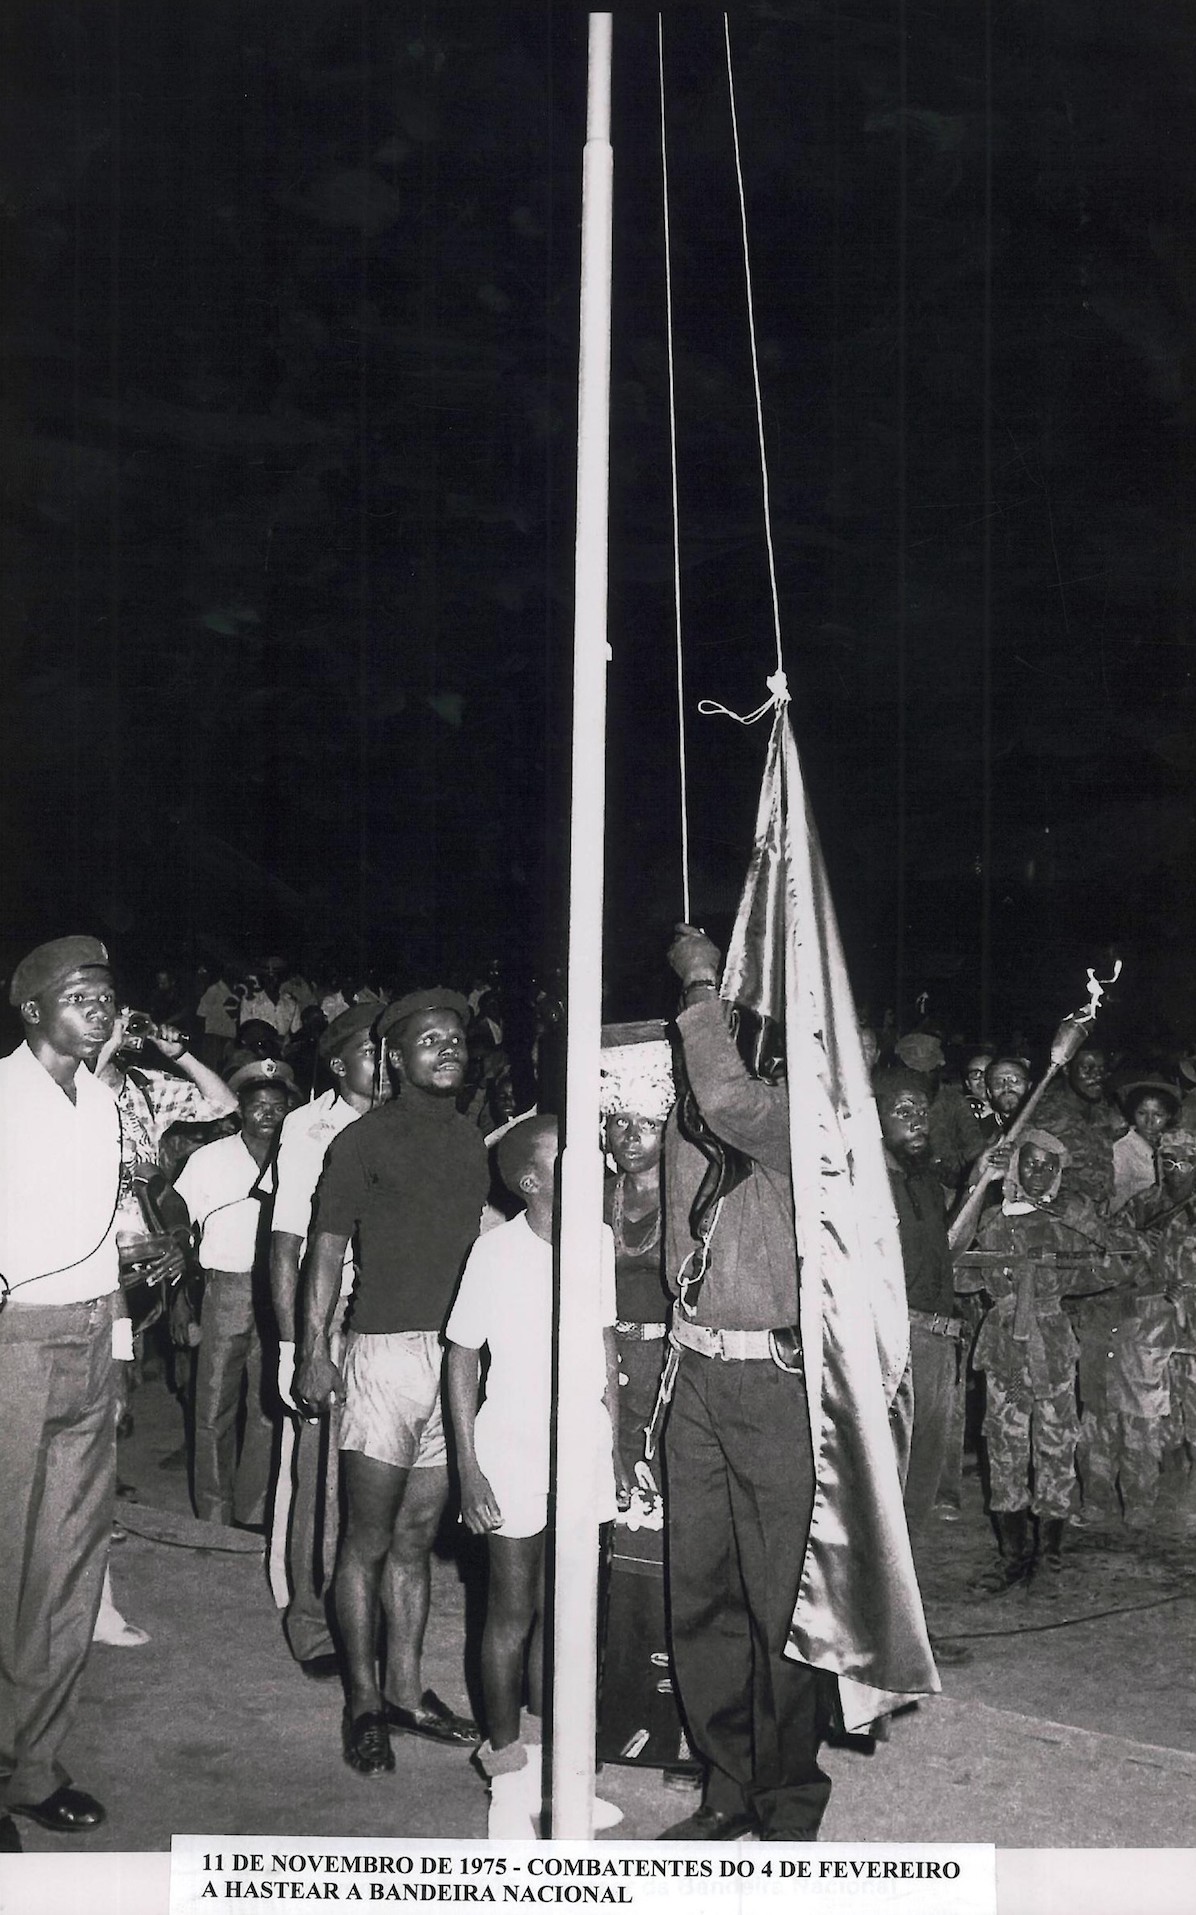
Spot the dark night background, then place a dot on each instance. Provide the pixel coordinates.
(289, 361)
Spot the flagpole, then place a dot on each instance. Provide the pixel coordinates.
(575, 1581)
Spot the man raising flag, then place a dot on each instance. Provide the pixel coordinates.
(789, 1559)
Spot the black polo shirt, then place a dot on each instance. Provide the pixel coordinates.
(407, 1182)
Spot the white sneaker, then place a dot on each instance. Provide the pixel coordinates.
(513, 1813)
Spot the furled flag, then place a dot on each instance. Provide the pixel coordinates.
(858, 1610)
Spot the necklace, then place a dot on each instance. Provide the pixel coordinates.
(619, 1221)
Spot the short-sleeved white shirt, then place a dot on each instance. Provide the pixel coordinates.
(59, 1184)
(302, 1148)
(214, 1183)
(504, 1303)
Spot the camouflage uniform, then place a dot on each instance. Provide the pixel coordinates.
(1089, 1131)
(1174, 1258)
(1122, 1440)
(1028, 1350)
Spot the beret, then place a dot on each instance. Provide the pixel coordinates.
(264, 1070)
(50, 963)
(439, 998)
(358, 1017)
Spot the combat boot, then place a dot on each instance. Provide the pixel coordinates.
(1051, 1531)
(1017, 1552)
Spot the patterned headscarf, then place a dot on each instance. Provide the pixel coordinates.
(637, 1070)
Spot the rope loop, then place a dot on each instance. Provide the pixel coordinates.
(778, 695)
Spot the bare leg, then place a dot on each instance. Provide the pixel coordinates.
(409, 1582)
(513, 1606)
(373, 1494)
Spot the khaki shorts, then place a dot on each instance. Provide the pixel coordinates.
(392, 1399)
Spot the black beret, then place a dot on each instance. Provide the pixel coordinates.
(50, 963)
(437, 999)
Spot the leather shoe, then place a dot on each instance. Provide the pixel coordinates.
(321, 1668)
(433, 1720)
(67, 1812)
(710, 1825)
(367, 1745)
(10, 1839)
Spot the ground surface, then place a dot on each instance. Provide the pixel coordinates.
(1074, 1725)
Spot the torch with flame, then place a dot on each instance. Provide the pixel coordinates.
(1072, 1034)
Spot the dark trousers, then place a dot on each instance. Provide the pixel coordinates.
(740, 1491)
(935, 1361)
(311, 1538)
(57, 1484)
(230, 1355)
(640, 1365)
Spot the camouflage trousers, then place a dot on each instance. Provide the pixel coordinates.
(1023, 1432)
(1181, 1379)
(1114, 1446)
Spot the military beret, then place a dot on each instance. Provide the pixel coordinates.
(357, 1018)
(264, 1070)
(437, 999)
(50, 963)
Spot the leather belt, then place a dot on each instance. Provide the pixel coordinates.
(938, 1326)
(732, 1346)
(641, 1332)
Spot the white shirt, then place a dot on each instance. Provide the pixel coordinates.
(214, 1183)
(505, 1302)
(217, 1020)
(303, 1145)
(59, 1184)
(284, 1016)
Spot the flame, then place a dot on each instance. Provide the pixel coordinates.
(1096, 990)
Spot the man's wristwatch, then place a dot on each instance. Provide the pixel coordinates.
(701, 983)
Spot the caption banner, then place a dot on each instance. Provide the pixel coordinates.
(222, 1872)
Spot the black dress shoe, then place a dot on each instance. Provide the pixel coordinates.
(433, 1720)
(710, 1825)
(10, 1839)
(367, 1745)
(321, 1668)
(68, 1811)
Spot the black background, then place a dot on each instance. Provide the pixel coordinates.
(289, 361)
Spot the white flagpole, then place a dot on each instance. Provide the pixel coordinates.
(575, 1585)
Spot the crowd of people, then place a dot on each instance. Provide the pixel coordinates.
(330, 1206)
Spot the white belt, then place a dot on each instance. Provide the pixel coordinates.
(733, 1346)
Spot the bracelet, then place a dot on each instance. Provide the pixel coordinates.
(696, 983)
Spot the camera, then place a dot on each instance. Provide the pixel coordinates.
(138, 1026)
